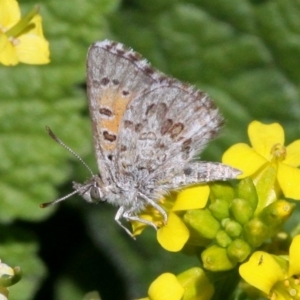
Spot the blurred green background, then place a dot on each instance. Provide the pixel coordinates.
(244, 53)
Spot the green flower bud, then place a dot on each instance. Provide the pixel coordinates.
(242, 210)
(232, 228)
(221, 191)
(246, 190)
(203, 222)
(256, 232)
(238, 250)
(196, 285)
(223, 239)
(219, 209)
(275, 214)
(216, 259)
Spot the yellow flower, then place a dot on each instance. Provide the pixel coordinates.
(174, 234)
(276, 276)
(268, 150)
(21, 39)
(192, 284)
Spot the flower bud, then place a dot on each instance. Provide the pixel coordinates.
(275, 214)
(246, 190)
(221, 191)
(238, 250)
(219, 209)
(9, 276)
(203, 222)
(196, 285)
(242, 210)
(256, 232)
(232, 228)
(223, 239)
(216, 259)
(166, 286)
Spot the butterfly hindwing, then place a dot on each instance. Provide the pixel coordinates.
(163, 129)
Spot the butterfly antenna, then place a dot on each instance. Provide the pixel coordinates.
(59, 141)
(47, 204)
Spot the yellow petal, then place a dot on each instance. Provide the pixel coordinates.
(192, 198)
(262, 271)
(294, 268)
(289, 181)
(244, 158)
(165, 287)
(37, 29)
(174, 235)
(10, 13)
(32, 49)
(263, 137)
(293, 154)
(8, 56)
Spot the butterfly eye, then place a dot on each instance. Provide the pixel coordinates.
(95, 193)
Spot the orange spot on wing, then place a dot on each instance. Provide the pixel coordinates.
(117, 104)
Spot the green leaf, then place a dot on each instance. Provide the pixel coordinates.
(245, 54)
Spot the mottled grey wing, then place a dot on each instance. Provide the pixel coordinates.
(163, 129)
(193, 173)
(115, 76)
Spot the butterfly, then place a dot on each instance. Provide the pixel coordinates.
(148, 129)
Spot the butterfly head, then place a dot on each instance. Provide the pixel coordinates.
(92, 191)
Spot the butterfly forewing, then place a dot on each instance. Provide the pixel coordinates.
(115, 76)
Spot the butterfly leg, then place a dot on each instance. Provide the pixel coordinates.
(128, 215)
(156, 206)
(119, 215)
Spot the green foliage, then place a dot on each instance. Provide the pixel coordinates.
(245, 54)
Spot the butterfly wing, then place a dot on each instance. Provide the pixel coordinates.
(163, 129)
(115, 76)
(164, 123)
